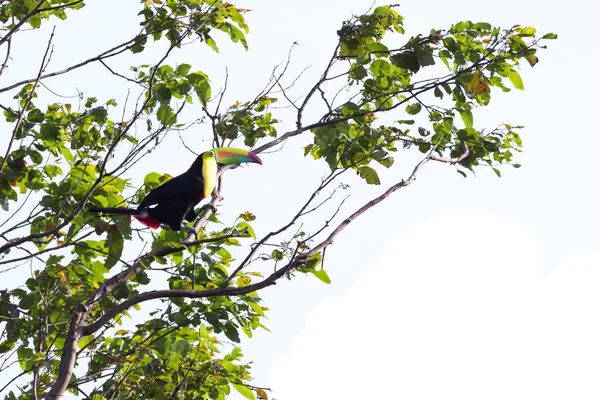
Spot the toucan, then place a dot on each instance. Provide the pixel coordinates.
(173, 201)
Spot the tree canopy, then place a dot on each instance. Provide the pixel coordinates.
(381, 95)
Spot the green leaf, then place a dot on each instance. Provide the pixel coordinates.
(50, 132)
(211, 43)
(550, 36)
(27, 301)
(244, 391)
(380, 68)
(35, 116)
(174, 361)
(6, 346)
(451, 44)
(152, 178)
(497, 171)
(321, 275)
(183, 69)
(52, 170)
(386, 162)
(115, 244)
(277, 255)
(231, 332)
(350, 109)
(85, 341)
(35, 20)
(424, 56)
(138, 47)
(100, 113)
(245, 226)
(369, 175)
(358, 72)
(516, 80)
(162, 93)
(25, 354)
(379, 49)
(526, 31)
(164, 71)
(406, 60)
(414, 109)
(467, 117)
(166, 115)
(483, 26)
(36, 157)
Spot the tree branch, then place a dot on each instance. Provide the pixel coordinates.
(107, 54)
(69, 354)
(454, 160)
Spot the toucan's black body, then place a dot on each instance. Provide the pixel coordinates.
(173, 202)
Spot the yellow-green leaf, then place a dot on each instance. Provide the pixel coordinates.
(516, 80)
(244, 391)
(369, 175)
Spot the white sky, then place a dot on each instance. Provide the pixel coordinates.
(470, 288)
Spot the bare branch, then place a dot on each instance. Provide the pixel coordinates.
(46, 250)
(119, 75)
(116, 50)
(317, 86)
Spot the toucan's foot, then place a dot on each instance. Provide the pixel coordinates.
(189, 229)
(206, 207)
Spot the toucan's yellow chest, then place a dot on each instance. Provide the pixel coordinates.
(209, 174)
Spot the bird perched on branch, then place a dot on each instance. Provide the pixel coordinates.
(173, 202)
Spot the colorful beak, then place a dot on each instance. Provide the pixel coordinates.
(232, 155)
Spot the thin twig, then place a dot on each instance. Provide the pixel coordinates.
(29, 97)
(5, 63)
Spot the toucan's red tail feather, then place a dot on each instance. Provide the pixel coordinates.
(143, 217)
(148, 221)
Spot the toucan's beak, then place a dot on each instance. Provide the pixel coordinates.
(232, 155)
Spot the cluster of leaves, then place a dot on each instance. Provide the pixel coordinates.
(33, 12)
(168, 83)
(476, 57)
(58, 137)
(191, 17)
(250, 120)
(161, 358)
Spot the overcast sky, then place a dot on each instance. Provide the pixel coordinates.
(478, 288)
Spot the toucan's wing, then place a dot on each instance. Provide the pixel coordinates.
(181, 186)
(172, 212)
